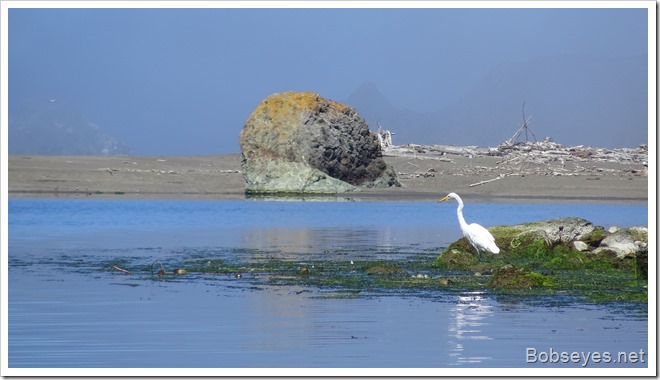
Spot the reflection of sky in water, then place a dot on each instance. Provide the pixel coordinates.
(339, 243)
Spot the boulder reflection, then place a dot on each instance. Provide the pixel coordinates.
(334, 243)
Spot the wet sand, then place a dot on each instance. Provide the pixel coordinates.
(220, 177)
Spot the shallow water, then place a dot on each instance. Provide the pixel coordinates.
(66, 309)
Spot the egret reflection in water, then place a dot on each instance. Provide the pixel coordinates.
(468, 327)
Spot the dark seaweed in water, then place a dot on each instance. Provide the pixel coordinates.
(379, 271)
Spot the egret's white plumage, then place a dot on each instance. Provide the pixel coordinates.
(480, 238)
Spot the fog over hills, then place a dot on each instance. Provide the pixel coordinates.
(592, 101)
(51, 127)
(573, 100)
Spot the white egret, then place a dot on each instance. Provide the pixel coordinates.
(480, 238)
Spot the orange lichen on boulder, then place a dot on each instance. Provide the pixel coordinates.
(327, 144)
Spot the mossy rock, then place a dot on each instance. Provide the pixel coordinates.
(510, 277)
(461, 245)
(565, 258)
(553, 231)
(594, 238)
(512, 241)
(534, 239)
(386, 269)
(639, 233)
(453, 258)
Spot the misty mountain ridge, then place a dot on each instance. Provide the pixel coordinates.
(50, 127)
(592, 101)
(566, 99)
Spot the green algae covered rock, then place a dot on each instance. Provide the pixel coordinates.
(532, 239)
(511, 277)
(456, 259)
(387, 269)
(570, 246)
(519, 237)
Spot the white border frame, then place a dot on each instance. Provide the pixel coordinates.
(537, 371)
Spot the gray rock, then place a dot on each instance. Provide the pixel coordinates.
(302, 143)
(639, 233)
(559, 230)
(621, 242)
(274, 176)
(579, 246)
(552, 231)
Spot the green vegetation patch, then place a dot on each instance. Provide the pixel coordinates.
(384, 269)
(453, 258)
(511, 277)
(595, 237)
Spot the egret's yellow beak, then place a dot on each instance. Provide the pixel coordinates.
(443, 199)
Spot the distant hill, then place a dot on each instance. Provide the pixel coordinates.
(408, 126)
(573, 100)
(50, 127)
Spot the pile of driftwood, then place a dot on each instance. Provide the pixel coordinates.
(549, 149)
(437, 152)
(542, 151)
(533, 158)
(527, 158)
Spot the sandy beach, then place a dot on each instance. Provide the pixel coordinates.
(424, 178)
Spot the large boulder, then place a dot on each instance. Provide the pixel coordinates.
(299, 142)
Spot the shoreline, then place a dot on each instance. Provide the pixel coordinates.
(425, 178)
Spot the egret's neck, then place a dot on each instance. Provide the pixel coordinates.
(461, 219)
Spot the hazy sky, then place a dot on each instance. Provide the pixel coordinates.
(184, 81)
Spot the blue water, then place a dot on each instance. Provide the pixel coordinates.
(66, 312)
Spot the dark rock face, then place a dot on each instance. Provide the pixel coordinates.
(301, 142)
(341, 146)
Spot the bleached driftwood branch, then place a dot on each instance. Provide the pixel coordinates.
(487, 181)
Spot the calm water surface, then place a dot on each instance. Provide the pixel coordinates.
(67, 310)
